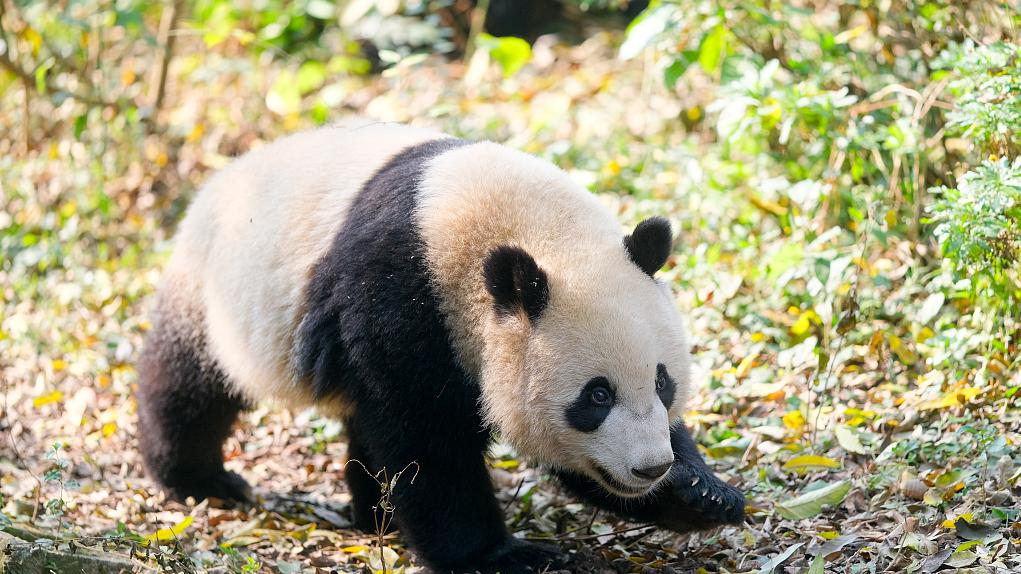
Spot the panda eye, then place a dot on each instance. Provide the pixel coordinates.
(660, 383)
(601, 396)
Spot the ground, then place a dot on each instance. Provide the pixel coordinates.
(821, 391)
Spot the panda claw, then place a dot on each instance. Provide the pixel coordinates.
(694, 481)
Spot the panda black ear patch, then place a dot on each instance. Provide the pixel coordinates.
(649, 244)
(516, 282)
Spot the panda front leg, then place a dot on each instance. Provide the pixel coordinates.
(690, 498)
(443, 502)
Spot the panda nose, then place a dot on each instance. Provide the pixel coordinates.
(652, 472)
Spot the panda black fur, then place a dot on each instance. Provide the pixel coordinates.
(428, 291)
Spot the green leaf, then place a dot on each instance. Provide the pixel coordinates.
(674, 71)
(311, 75)
(814, 502)
(79, 125)
(40, 77)
(644, 29)
(510, 52)
(712, 48)
(791, 254)
(818, 565)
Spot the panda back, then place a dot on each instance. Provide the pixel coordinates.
(253, 235)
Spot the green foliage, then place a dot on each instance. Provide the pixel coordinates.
(511, 53)
(987, 83)
(978, 223)
(978, 220)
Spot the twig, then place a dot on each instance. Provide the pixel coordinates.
(476, 23)
(168, 21)
(564, 537)
(28, 78)
(515, 497)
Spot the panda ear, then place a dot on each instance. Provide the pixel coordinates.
(516, 282)
(649, 244)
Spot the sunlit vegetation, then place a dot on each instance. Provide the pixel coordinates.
(844, 177)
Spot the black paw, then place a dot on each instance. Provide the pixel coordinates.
(520, 557)
(225, 485)
(703, 501)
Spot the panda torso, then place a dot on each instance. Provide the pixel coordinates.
(254, 233)
(342, 256)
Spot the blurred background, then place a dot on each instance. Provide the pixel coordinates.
(843, 176)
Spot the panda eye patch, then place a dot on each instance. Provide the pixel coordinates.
(665, 386)
(592, 405)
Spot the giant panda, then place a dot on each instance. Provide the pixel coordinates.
(430, 292)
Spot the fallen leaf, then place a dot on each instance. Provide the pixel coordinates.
(779, 559)
(836, 544)
(172, 533)
(976, 531)
(808, 462)
(48, 398)
(814, 502)
(849, 441)
(961, 558)
(933, 563)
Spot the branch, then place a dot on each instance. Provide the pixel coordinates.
(8, 63)
(168, 22)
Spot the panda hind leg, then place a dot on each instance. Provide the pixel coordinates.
(360, 474)
(186, 412)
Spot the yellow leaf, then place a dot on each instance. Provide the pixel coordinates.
(109, 428)
(745, 366)
(34, 39)
(794, 420)
(768, 206)
(128, 76)
(952, 399)
(829, 535)
(507, 464)
(847, 35)
(804, 322)
(43, 400)
(172, 533)
(196, 132)
(59, 365)
(810, 462)
(905, 354)
(354, 549)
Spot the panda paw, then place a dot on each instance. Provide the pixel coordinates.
(224, 485)
(702, 501)
(521, 557)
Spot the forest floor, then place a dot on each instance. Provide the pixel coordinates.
(856, 453)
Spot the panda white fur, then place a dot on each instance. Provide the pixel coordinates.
(428, 291)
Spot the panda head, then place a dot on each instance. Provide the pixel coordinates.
(587, 361)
